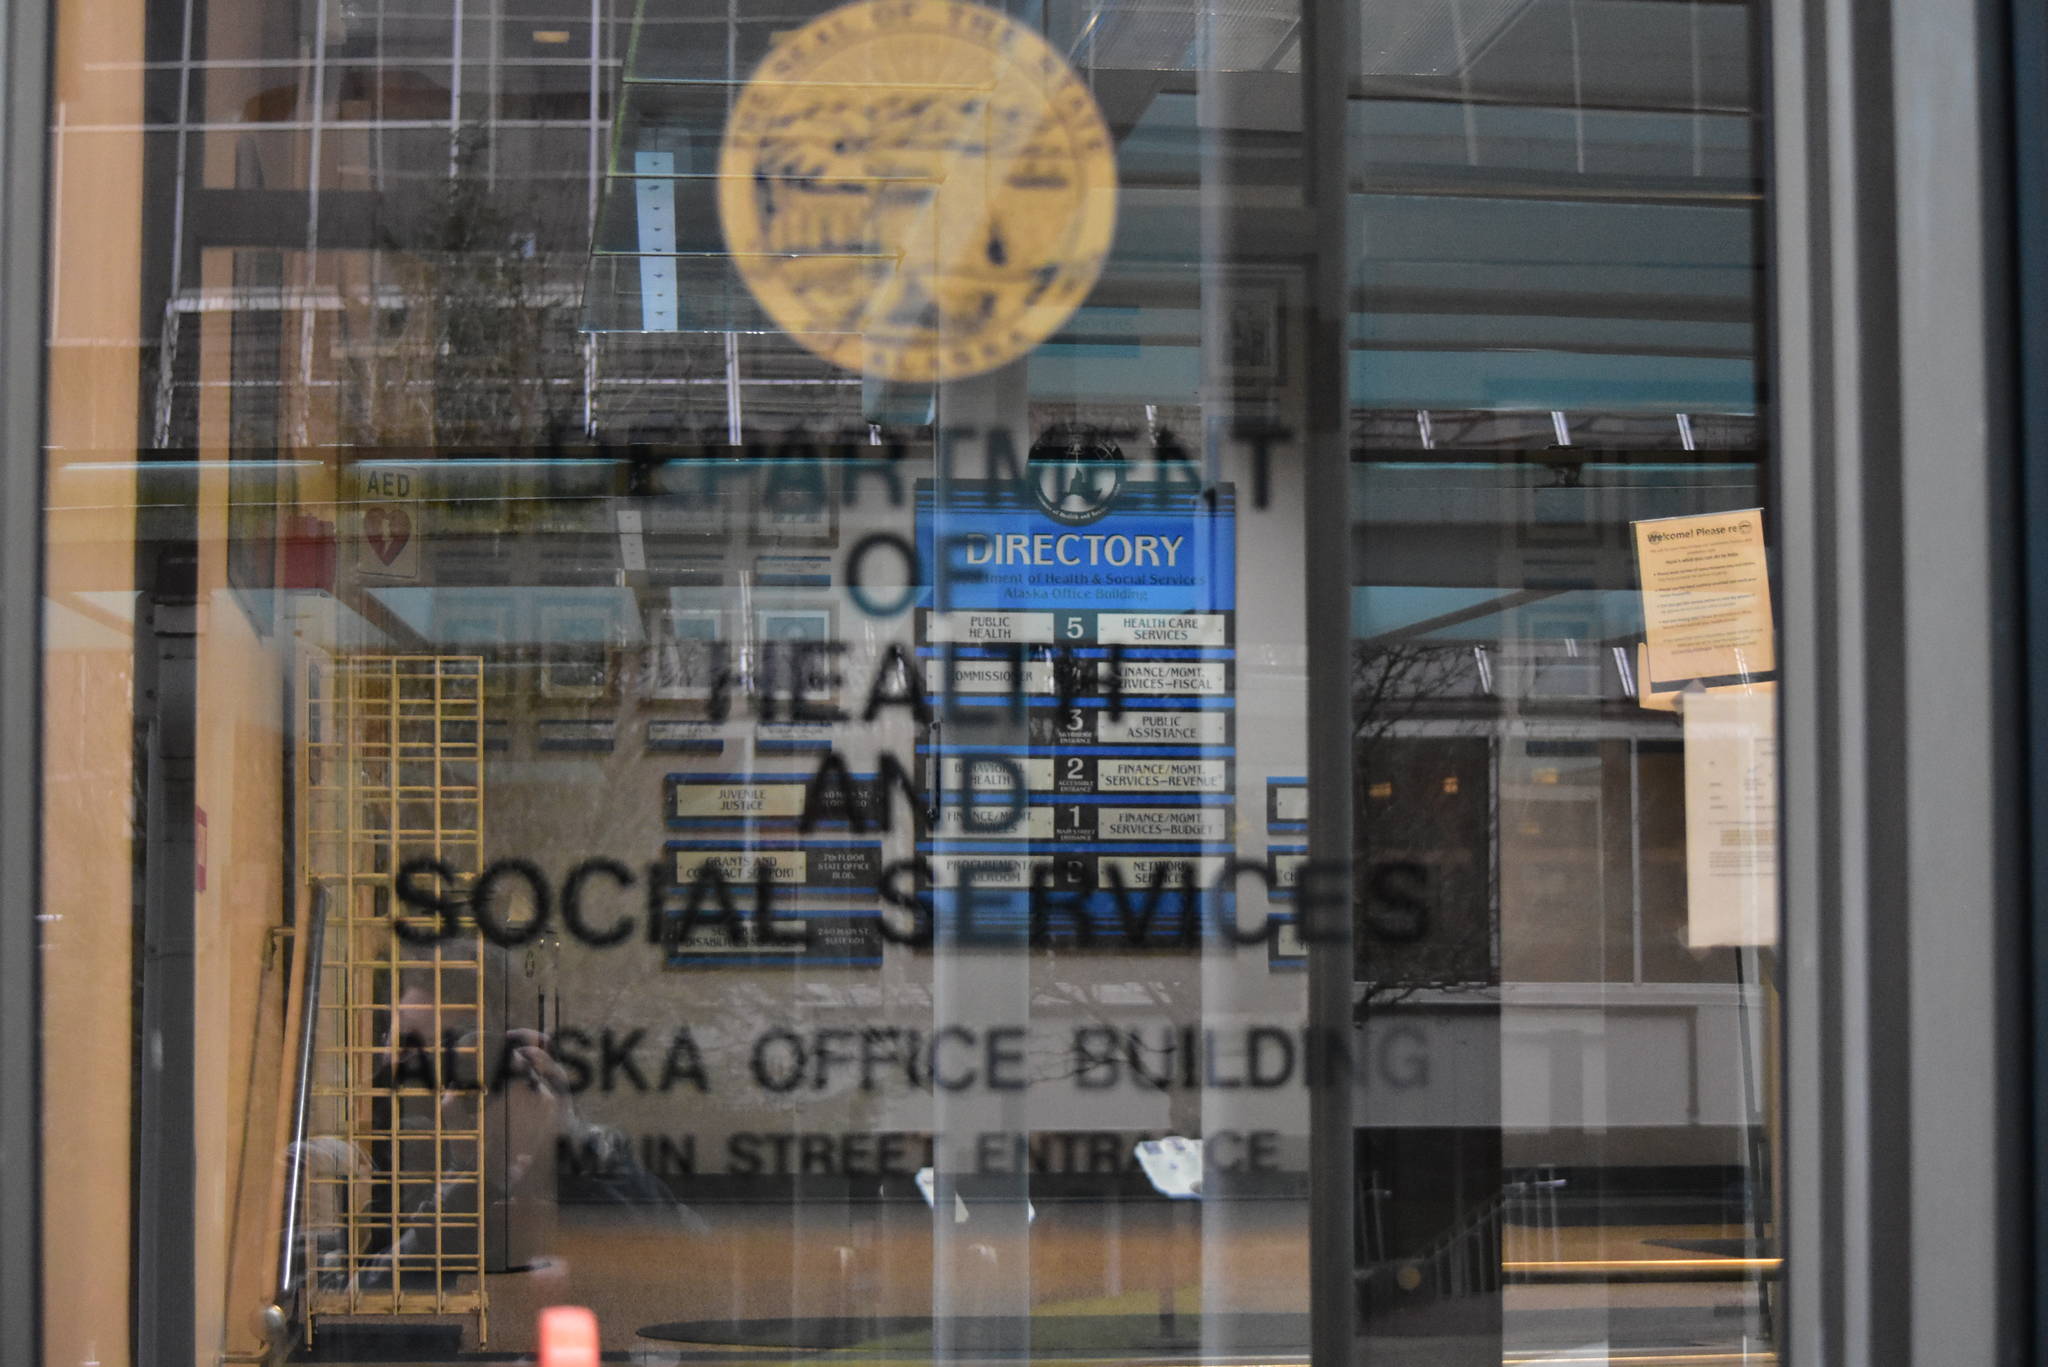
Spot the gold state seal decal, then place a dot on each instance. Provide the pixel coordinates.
(917, 189)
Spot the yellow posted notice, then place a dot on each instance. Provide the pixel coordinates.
(1706, 605)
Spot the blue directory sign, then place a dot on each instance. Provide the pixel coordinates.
(1161, 547)
(1080, 635)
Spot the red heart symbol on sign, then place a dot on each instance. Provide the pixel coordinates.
(387, 530)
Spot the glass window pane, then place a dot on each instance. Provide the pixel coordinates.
(680, 667)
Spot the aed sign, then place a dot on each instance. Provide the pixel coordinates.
(387, 521)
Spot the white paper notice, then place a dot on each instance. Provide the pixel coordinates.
(1731, 819)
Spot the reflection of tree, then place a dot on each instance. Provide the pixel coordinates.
(468, 335)
(1156, 996)
(1422, 819)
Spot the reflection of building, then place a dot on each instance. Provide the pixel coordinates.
(433, 242)
(380, 302)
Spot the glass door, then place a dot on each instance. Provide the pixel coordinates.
(909, 681)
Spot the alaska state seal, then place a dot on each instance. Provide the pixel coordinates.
(918, 190)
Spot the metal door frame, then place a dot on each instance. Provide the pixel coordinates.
(1906, 1044)
(1893, 372)
(2030, 214)
(24, 123)
(1328, 50)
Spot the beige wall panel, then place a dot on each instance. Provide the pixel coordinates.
(87, 788)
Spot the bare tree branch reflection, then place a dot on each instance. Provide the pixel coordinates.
(1422, 816)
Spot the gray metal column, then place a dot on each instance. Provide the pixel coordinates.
(981, 1265)
(2030, 209)
(1327, 53)
(24, 132)
(165, 1150)
(1906, 1043)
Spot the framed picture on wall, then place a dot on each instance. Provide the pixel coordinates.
(481, 621)
(1254, 334)
(794, 507)
(786, 637)
(684, 653)
(576, 641)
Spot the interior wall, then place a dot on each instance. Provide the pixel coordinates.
(240, 1000)
(614, 809)
(88, 875)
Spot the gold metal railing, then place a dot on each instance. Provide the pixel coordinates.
(392, 1162)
